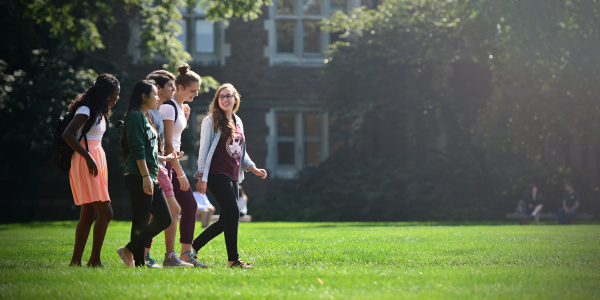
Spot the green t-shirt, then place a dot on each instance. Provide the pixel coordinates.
(143, 144)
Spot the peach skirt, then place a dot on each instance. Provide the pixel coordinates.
(87, 188)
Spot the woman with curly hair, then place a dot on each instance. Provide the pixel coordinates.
(222, 160)
(88, 174)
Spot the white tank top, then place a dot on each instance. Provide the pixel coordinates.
(97, 130)
(168, 113)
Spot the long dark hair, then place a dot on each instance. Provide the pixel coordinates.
(142, 87)
(96, 97)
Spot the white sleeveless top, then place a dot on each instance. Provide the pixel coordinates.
(168, 113)
(97, 130)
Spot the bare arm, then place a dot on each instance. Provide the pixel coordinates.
(69, 137)
(171, 157)
(262, 173)
(201, 185)
(169, 124)
(169, 148)
(186, 111)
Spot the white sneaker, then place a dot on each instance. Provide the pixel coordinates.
(151, 263)
(533, 214)
(173, 261)
(121, 252)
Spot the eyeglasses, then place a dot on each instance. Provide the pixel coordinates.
(228, 97)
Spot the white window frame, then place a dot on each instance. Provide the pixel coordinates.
(299, 139)
(298, 57)
(222, 49)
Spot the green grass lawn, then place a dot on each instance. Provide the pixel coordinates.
(320, 260)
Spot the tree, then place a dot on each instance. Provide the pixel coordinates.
(53, 52)
(448, 109)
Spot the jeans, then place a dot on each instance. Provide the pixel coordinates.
(142, 205)
(225, 191)
(564, 218)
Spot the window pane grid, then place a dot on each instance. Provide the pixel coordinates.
(285, 35)
(201, 36)
(204, 36)
(285, 7)
(183, 35)
(311, 7)
(312, 36)
(295, 151)
(285, 153)
(304, 39)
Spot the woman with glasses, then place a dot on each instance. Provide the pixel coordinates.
(222, 161)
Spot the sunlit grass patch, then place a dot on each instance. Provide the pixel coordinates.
(320, 260)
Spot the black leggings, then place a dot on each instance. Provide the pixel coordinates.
(142, 205)
(225, 191)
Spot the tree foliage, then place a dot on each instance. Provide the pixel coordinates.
(54, 51)
(448, 109)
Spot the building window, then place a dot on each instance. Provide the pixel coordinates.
(297, 138)
(203, 39)
(295, 35)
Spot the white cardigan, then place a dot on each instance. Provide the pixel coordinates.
(208, 143)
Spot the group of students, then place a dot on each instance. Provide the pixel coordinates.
(531, 203)
(150, 145)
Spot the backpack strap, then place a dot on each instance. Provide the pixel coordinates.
(86, 128)
(172, 103)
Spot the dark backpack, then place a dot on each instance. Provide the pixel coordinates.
(172, 103)
(61, 151)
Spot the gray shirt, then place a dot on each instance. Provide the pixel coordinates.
(159, 126)
(158, 123)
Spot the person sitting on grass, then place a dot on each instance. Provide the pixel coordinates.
(570, 204)
(139, 148)
(533, 203)
(205, 209)
(243, 202)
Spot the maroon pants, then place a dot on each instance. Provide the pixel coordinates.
(188, 205)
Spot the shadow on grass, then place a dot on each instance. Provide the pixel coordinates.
(314, 225)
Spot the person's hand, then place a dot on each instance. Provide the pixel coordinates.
(183, 182)
(186, 111)
(201, 186)
(567, 210)
(262, 173)
(91, 164)
(529, 205)
(173, 156)
(148, 185)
